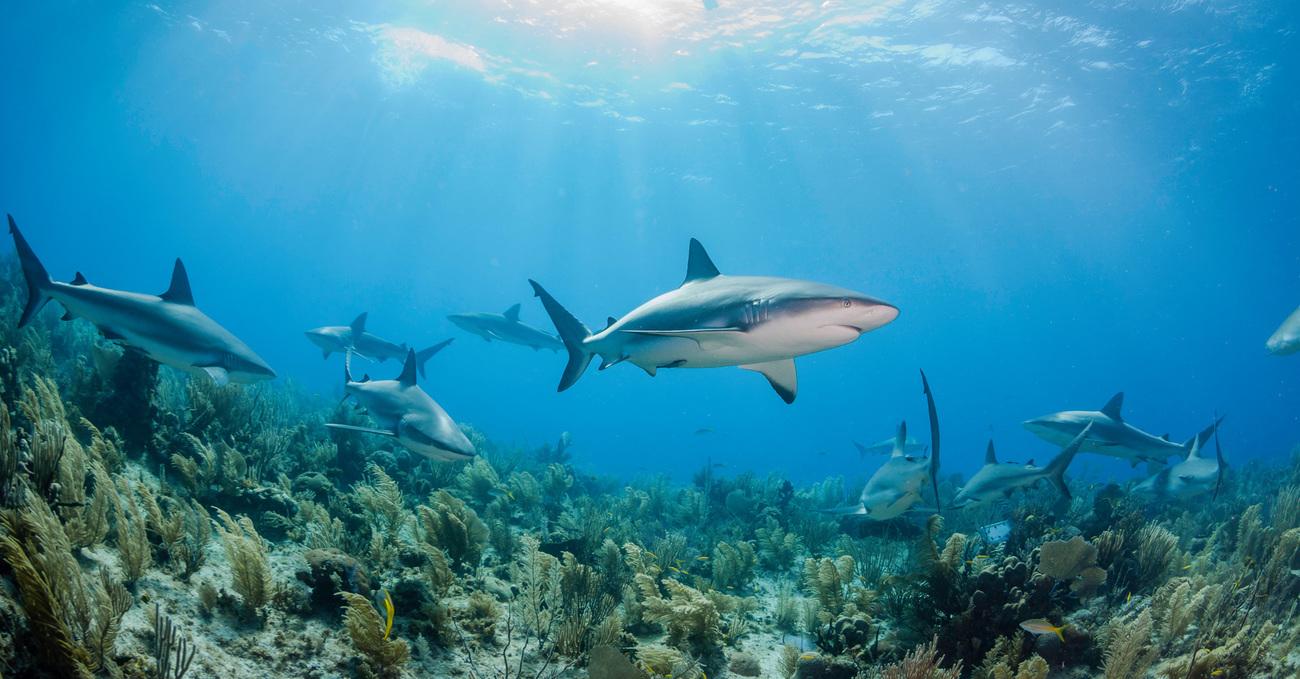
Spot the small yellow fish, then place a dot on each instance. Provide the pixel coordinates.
(1216, 673)
(652, 554)
(702, 558)
(967, 561)
(807, 656)
(674, 569)
(730, 587)
(982, 556)
(1187, 566)
(1039, 627)
(606, 529)
(1130, 597)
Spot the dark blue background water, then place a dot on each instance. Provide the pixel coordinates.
(1065, 201)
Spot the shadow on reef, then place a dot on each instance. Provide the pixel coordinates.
(145, 516)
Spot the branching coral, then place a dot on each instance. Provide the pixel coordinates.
(250, 567)
(688, 617)
(777, 548)
(733, 565)
(1129, 652)
(922, 663)
(370, 634)
(454, 528)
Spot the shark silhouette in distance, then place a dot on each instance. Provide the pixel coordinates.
(1110, 434)
(404, 412)
(506, 327)
(1193, 476)
(995, 481)
(758, 323)
(167, 328)
(886, 447)
(344, 338)
(1286, 340)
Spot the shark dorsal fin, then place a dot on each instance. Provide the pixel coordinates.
(1165, 437)
(989, 457)
(407, 378)
(698, 265)
(900, 441)
(1113, 406)
(609, 322)
(359, 325)
(512, 314)
(179, 292)
(80, 280)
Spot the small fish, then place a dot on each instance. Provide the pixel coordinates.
(606, 529)
(1039, 627)
(982, 556)
(497, 492)
(823, 453)
(719, 465)
(702, 558)
(674, 569)
(702, 432)
(1187, 566)
(807, 656)
(730, 587)
(652, 554)
(1216, 673)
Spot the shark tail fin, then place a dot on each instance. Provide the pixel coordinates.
(572, 332)
(425, 354)
(38, 281)
(1201, 439)
(1056, 468)
(934, 442)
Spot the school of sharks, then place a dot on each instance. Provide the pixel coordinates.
(757, 323)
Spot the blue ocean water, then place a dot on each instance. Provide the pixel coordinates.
(1065, 200)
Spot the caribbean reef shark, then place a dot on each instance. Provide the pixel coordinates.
(343, 338)
(1110, 435)
(1192, 476)
(1287, 338)
(897, 485)
(167, 328)
(404, 412)
(758, 323)
(886, 447)
(507, 328)
(995, 480)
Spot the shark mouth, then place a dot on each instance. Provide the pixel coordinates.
(854, 328)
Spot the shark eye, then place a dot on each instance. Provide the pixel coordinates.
(847, 302)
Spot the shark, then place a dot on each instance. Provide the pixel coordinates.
(757, 323)
(344, 338)
(898, 483)
(1111, 435)
(1193, 476)
(1287, 338)
(404, 412)
(886, 447)
(167, 328)
(506, 327)
(995, 480)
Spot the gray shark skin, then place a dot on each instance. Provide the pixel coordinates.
(404, 412)
(1287, 338)
(895, 487)
(995, 480)
(341, 339)
(167, 328)
(758, 323)
(1193, 476)
(507, 328)
(886, 447)
(1111, 435)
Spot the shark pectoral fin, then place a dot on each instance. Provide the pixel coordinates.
(707, 338)
(326, 353)
(780, 374)
(855, 509)
(364, 430)
(69, 316)
(217, 373)
(110, 334)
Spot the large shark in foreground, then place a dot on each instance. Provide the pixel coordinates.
(995, 481)
(1110, 434)
(1193, 476)
(167, 328)
(1287, 338)
(407, 414)
(506, 327)
(758, 323)
(344, 338)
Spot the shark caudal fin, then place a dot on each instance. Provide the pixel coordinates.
(1203, 438)
(572, 332)
(38, 281)
(425, 354)
(1056, 468)
(934, 443)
